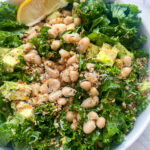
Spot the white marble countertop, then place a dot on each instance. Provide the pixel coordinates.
(143, 143)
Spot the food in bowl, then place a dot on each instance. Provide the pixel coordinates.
(75, 80)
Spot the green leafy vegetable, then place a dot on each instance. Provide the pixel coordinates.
(10, 29)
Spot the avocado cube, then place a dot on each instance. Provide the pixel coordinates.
(10, 60)
(107, 55)
(92, 51)
(122, 51)
(15, 91)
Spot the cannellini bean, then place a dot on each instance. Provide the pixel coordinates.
(71, 26)
(53, 33)
(75, 4)
(86, 85)
(62, 101)
(90, 66)
(68, 20)
(56, 21)
(74, 75)
(53, 73)
(90, 102)
(72, 60)
(100, 123)
(62, 61)
(65, 75)
(92, 77)
(74, 125)
(53, 85)
(92, 115)
(55, 96)
(66, 13)
(68, 91)
(70, 116)
(73, 38)
(70, 100)
(64, 54)
(33, 57)
(127, 61)
(28, 47)
(61, 28)
(55, 45)
(37, 60)
(43, 97)
(83, 45)
(89, 127)
(125, 72)
(77, 21)
(35, 89)
(94, 91)
(44, 88)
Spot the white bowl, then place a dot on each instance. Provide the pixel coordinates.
(144, 118)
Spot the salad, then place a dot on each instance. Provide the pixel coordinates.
(74, 81)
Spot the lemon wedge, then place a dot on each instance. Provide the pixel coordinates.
(31, 12)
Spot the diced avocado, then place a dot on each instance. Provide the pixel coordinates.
(119, 63)
(144, 86)
(15, 91)
(123, 51)
(25, 110)
(10, 60)
(4, 51)
(92, 51)
(107, 55)
(54, 15)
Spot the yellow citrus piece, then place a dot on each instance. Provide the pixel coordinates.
(31, 12)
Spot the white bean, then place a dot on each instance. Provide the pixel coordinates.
(66, 13)
(90, 102)
(62, 101)
(70, 116)
(44, 88)
(86, 85)
(89, 127)
(35, 89)
(90, 66)
(28, 47)
(92, 115)
(72, 60)
(94, 91)
(77, 21)
(64, 54)
(74, 75)
(55, 45)
(71, 27)
(53, 33)
(100, 123)
(68, 20)
(68, 91)
(125, 72)
(74, 125)
(37, 59)
(61, 28)
(65, 75)
(83, 45)
(56, 21)
(127, 61)
(55, 96)
(53, 73)
(73, 38)
(53, 85)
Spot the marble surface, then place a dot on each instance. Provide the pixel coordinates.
(143, 143)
